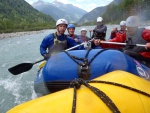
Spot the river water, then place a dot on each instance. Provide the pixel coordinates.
(16, 89)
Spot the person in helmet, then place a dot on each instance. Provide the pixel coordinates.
(122, 30)
(85, 39)
(134, 35)
(83, 36)
(71, 30)
(56, 42)
(100, 30)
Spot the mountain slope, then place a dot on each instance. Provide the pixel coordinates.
(92, 15)
(59, 10)
(99, 11)
(18, 14)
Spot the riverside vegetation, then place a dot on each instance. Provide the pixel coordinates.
(18, 15)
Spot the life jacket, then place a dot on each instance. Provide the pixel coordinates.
(122, 31)
(84, 39)
(58, 45)
(73, 36)
(136, 39)
(117, 33)
(102, 35)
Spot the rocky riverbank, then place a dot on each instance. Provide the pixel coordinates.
(16, 34)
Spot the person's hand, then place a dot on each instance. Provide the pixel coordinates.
(87, 45)
(148, 45)
(114, 30)
(90, 30)
(46, 56)
(97, 42)
(76, 40)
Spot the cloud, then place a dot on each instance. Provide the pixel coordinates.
(30, 1)
(91, 7)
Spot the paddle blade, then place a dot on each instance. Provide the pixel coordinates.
(20, 68)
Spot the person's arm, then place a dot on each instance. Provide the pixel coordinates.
(46, 42)
(113, 33)
(93, 35)
(146, 34)
(78, 38)
(71, 43)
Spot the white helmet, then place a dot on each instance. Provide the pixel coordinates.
(123, 23)
(83, 29)
(99, 19)
(61, 21)
(132, 21)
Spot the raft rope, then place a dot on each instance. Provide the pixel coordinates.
(84, 70)
(85, 60)
(78, 82)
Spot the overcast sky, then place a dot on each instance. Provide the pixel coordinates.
(87, 5)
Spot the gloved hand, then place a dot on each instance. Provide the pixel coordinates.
(46, 56)
(87, 45)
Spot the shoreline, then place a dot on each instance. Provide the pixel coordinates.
(17, 34)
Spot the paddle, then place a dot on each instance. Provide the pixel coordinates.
(118, 43)
(23, 67)
(90, 33)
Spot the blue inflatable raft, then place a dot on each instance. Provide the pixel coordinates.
(64, 67)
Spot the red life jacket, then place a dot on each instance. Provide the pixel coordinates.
(72, 36)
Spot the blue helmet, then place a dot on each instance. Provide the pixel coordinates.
(71, 26)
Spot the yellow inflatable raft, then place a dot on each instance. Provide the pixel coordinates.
(118, 92)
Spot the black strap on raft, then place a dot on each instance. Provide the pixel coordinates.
(54, 86)
(84, 71)
(78, 82)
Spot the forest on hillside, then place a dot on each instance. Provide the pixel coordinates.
(116, 13)
(18, 15)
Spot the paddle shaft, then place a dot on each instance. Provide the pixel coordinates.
(118, 43)
(90, 34)
(78, 45)
(38, 61)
